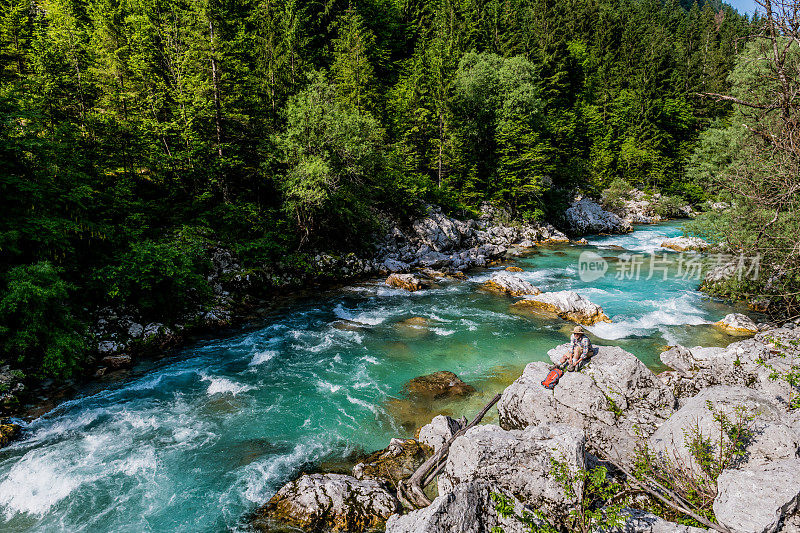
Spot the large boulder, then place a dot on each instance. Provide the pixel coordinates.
(568, 305)
(409, 282)
(587, 216)
(772, 438)
(756, 500)
(685, 244)
(442, 384)
(468, 508)
(518, 463)
(738, 324)
(506, 283)
(440, 232)
(614, 399)
(333, 502)
(395, 462)
(440, 430)
(758, 363)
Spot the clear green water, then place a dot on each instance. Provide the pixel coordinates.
(199, 440)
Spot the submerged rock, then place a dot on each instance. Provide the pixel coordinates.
(332, 502)
(442, 384)
(755, 500)
(514, 269)
(397, 461)
(685, 244)
(409, 282)
(506, 283)
(614, 399)
(587, 216)
(517, 463)
(738, 324)
(568, 305)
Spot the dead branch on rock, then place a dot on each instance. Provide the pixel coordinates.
(664, 495)
(410, 491)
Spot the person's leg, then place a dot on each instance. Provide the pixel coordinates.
(576, 355)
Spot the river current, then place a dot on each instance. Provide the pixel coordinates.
(201, 438)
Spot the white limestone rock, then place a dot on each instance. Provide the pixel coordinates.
(332, 501)
(517, 463)
(611, 399)
(507, 283)
(638, 521)
(685, 244)
(468, 508)
(587, 216)
(755, 500)
(568, 305)
(773, 438)
(440, 430)
(738, 324)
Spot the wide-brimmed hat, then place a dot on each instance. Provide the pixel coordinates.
(577, 329)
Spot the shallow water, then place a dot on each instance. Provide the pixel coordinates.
(204, 437)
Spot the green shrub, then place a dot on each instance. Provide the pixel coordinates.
(37, 327)
(599, 508)
(161, 278)
(712, 453)
(616, 194)
(669, 206)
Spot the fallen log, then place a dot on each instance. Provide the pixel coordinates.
(410, 491)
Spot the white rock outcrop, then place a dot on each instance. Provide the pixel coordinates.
(332, 501)
(773, 439)
(757, 363)
(738, 324)
(468, 508)
(587, 216)
(517, 463)
(568, 305)
(409, 282)
(685, 244)
(755, 500)
(507, 283)
(611, 399)
(440, 430)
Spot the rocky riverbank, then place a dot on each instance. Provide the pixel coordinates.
(614, 407)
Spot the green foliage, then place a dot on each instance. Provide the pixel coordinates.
(122, 123)
(36, 326)
(599, 507)
(161, 278)
(712, 454)
(336, 163)
(790, 369)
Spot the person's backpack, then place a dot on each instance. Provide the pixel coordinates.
(552, 378)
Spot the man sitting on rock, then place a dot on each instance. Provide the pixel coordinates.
(580, 349)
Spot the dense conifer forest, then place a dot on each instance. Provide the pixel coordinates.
(134, 134)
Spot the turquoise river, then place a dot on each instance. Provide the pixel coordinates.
(197, 440)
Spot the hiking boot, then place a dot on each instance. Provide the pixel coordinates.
(570, 368)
